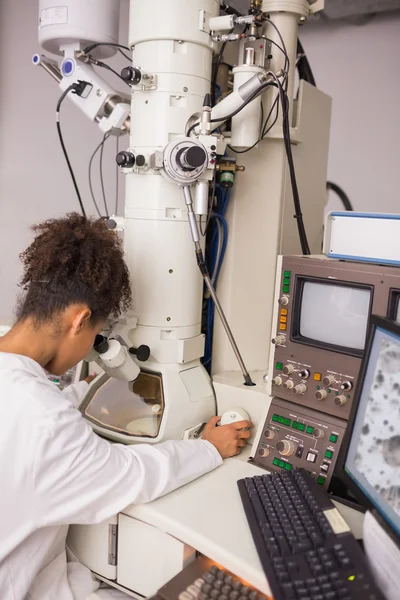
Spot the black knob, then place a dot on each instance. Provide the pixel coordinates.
(140, 160)
(142, 353)
(125, 159)
(195, 157)
(100, 344)
(131, 75)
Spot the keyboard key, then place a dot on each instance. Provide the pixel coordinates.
(234, 595)
(206, 588)
(209, 577)
(330, 596)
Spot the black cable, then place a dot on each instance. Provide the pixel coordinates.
(303, 65)
(125, 55)
(90, 177)
(284, 50)
(288, 147)
(88, 49)
(105, 137)
(342, 195)
(71, 88)
(230, 10)
(99, 63)
(262, 125)
(215, 73)
(116, 179)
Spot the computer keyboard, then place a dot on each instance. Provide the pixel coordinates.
(305, 547)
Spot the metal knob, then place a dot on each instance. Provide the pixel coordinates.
(340, 400)
(277, 380)
(125, 159)
(304, 374)
(318, 434)
(263, 452)
(285, 447)
(346, 386)
(300, 389)
(288, 369)
(279, 340)
(321, 395)
(269, 434)
(288, 384)
(328, 380)
(284, 301)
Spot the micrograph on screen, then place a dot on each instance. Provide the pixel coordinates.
(377, 456)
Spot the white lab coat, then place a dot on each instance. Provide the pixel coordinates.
(55, 471)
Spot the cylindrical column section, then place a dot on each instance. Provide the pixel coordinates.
(247, 123)
(285, 15)
(169, 43)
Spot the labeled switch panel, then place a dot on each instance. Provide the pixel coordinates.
(299, 437)
(306, 366)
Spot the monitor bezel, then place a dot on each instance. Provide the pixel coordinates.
(394, 328)
(295, 335)
(393, 304)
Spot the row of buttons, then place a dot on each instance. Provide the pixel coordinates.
(282, 464)
(302, 427)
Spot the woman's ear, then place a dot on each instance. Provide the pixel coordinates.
(81, 320)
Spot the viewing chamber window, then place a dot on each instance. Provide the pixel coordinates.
(133, 409)
(334, 314)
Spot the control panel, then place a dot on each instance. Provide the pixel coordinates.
(299, 437)
(319, 300)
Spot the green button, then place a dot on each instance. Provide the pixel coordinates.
(281, 420)
(286, 282)
(275, 462)
(301, 426)
(328, 454)
(288, 466)
(279, 366)
(310, 430)
(318, 387)
(329, 391)
(333, 438)
(321, 480)
(285, 289)
(281, 464)
(287, 273)
(287, 422)
(295, 425)
(275, 417)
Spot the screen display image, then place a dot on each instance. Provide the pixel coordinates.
(373, 459)
(335, 314)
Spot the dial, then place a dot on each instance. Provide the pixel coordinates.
(285, 447)
(318, 434)
(269, 434)
(263, 452)
(321, 394)
(288, 369)
(288, 384)
(328, 380)
(346, 386)
(340, 400)
(284, 301)
(279, 340)
(300, 389)
(277, 380)
(304, 374)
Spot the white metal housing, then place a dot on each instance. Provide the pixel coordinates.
(76, 24)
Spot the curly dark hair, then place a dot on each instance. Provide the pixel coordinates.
(74, 260)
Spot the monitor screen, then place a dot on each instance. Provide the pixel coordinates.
(334, 314)
(373, 455)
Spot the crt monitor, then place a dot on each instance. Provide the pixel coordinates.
(370, 458)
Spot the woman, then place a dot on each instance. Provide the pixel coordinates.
(54, 470)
